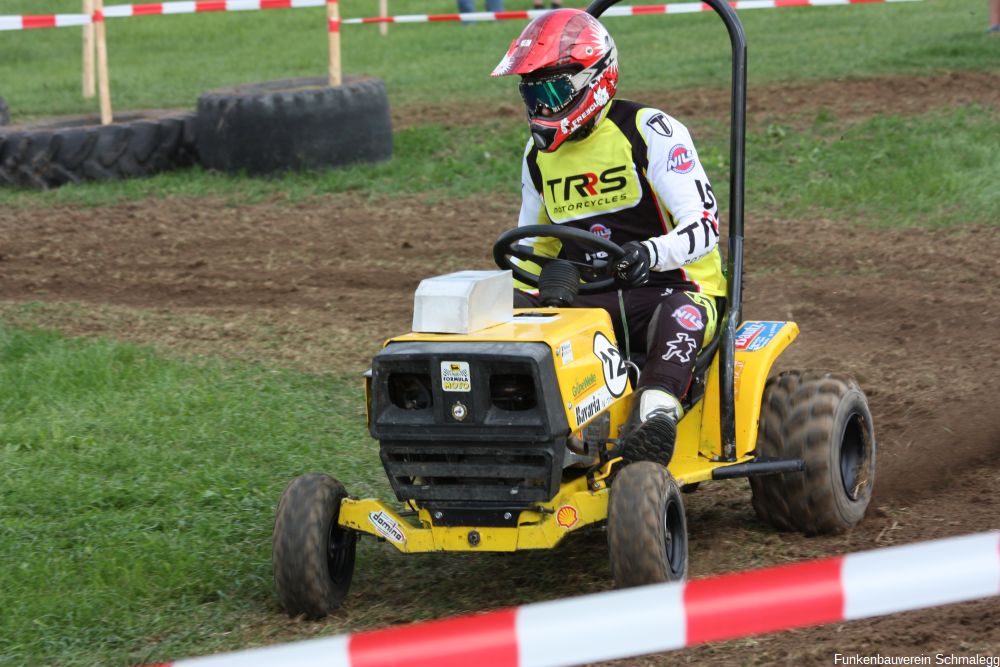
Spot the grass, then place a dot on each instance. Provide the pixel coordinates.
(939, 168)
(137, 493)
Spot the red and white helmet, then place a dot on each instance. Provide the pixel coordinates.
(569, 71)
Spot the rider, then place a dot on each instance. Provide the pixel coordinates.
(628, 173)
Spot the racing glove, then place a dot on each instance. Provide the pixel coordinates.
(632, 270)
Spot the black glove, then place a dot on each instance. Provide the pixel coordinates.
(632, 270)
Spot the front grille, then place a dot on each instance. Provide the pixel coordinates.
(469, 421)
(472, 472)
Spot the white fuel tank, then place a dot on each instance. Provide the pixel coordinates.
(463, 302)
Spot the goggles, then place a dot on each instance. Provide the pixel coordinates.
(555, 93)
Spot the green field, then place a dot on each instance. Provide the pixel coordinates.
(138, 490)
(162, 61)
(167, 61)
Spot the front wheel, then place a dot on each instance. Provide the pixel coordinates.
(312, 555)
(823, 419)
(647, 530)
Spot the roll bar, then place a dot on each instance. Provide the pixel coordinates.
(734, 263)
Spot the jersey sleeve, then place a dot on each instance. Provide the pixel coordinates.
(533, 213)
(682, 188)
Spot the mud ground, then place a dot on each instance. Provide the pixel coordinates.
(319, 285)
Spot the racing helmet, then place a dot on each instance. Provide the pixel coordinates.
(569, 72)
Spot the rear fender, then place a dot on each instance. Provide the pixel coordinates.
(758, 345)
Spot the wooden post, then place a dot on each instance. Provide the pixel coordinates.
(89, 84)
(383, 11)
(333, 26)
(103, 83)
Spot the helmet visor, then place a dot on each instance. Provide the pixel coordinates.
(553, 93)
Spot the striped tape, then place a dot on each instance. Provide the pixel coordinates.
(157, 8)
(46, 21)
(627, 10)
(664, 617)
(204, 6)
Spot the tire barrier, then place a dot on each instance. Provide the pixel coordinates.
(270, 127)
(664, 617)
(73, 149)
(201, 6)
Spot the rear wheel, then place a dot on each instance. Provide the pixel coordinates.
(312, 556)
(823, 419)
(647, 530)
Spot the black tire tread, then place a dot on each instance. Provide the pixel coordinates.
(298, 551)
(276, 126)
(798, 415)
(768, 492)
(72, 149)
(635, 525)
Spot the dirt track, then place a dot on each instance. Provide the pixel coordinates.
(319, 285)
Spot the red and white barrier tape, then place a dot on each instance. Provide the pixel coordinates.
(664, 617)
(44, 21)
(627, 10)
(123, 11)
(202, 6)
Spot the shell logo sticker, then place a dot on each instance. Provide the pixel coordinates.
(567, 516)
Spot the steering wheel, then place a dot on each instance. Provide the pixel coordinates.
(596, 275)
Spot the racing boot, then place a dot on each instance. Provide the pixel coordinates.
(654, 438)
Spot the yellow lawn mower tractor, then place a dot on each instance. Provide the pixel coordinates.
(505, 429)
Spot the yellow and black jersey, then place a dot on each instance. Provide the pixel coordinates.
(636, 177)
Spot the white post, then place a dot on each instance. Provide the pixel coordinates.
(383, 11)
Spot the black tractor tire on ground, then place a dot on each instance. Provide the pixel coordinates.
(647, 529)
(822, 418)
(4, 112)
(312, 556)
(293, 124)
(72, 149)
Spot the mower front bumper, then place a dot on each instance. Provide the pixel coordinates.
(541, 527)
